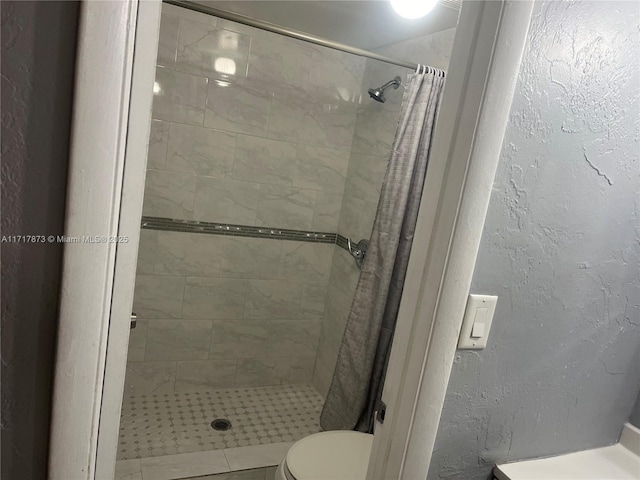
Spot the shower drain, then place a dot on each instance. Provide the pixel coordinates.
(221, 424)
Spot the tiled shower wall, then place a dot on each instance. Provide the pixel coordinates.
(373, 138)
(248, 128)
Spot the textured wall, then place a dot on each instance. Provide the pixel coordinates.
(560, 248)
(373, 137)
(38, 54)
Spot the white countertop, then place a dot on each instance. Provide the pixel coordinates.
(618, 462)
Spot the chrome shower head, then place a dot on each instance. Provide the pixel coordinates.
(378, 93)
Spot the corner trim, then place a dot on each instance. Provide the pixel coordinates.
(104, 63)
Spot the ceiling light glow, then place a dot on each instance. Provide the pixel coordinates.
(413, 8)
(225, 66)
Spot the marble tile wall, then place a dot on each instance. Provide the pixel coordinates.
(248, 128)
(373, 137)
(217, 311)
(258, 129)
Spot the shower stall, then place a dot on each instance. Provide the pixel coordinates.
(265, 163)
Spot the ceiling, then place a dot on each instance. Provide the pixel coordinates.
(365, 24)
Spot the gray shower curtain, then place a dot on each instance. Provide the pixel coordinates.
(362, 359)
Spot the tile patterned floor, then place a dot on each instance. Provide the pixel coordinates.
(165, 424)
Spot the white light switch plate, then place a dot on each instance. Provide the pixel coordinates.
(477, 321)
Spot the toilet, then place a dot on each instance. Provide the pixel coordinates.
(333, 455)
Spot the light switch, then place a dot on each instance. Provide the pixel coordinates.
(477, 321)
(478, 330)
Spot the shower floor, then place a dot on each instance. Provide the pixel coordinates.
(154, 425)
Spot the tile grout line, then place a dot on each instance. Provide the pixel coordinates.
(224, 452)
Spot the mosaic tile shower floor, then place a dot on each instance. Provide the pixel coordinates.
(165, 424)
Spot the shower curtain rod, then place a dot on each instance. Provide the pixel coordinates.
(270, 27)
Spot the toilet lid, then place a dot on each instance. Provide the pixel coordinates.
(335, 455)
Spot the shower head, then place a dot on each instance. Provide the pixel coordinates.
(378, 93)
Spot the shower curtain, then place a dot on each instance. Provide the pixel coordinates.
(358, 378)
